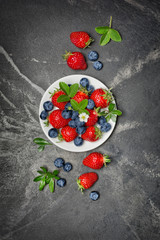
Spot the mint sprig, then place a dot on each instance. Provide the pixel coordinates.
(108, 33)
(80, 107)
(42, 143)
(46, 178)
(112, 112)
(69, 91)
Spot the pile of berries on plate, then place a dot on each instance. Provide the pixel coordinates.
(80, 112)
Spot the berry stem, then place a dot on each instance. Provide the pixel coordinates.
(110, 23)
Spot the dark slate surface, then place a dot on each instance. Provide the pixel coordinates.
(33, 36)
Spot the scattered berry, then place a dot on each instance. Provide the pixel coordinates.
(75, 60)
(84, 82)
(90, 89)
(96, 160)
(68, 134)
(59, 162)
(72, 124)
(44, 115)
(80, 130)
(74, 115)
(101, 120)
(56, 119)
(105, 127)
(86, 180)
(93, 56)
(78, 141)
(66, 114)
(92, 134)
(48, 106)
(53, 133)
(91, 104)
(61, 182)
(94, 195)
(67, 167)
(80, 39)
(55, 96)
(97, 65)
(101, 97)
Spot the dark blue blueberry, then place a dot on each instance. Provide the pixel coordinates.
(68, 105)
(59, 162)
(94, 195)
(101, 120)
(53, 132)
(74, 114)
(67, 167)
(84, 82)
(69, 85)
(66, 114)
(98, 65)
(90, 89)
(80, 130)
(91, 104)
(61, 182)
(48, 106)
(93, 56)
(105, 127)
(43, 115)
(79, 123)
(78, 141)
(72, 124)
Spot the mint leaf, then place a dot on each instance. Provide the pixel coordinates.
(74, 104)
(41, 141)
(84, 110)
(55, 172)
(51, 185)
(44, 169)
(40, 172)
(101, 30)
(111, 106)
(108, 117)
(57, 178)
(73, 90)
(114, 35)
(117, 112)
(113, 117)
(63, 98)
(83, 104)
(105, 39)
(41, 148)
(64, 87)
(39, 178)
(42, 184)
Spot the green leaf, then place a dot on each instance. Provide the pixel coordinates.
(64, 87)
(46, 123)
(73, 90)
(42, 184)
(74, 104)
(55, 172)
(63, 98)
(50, 175)
(117, 112)
(108, 117)
(44, 169)
(51, 185)
(41, 148)
(37, 179)
(85, 111)
(57, 178)
(111, 106)
(41, 141)
(40, 172)
(114, 35)
(105, 39)
(101, 30)
(83, 104)
(47, 180)
(113, 118)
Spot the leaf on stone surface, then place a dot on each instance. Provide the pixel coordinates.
(42, 184)
(114, 35)
(51, 185)
(104, 39)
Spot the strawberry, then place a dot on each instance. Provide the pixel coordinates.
(86, 180)
(81, 95)
(56, 119)
(75, 60)
(93, 117)
(68, 134)
(101, 97)
(92, 134)
(55, 96)
(96, 160)
(80, 39)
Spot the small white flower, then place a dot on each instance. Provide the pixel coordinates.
(83, 117)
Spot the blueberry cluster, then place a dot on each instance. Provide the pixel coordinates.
(48, 106)
(85, 83)
(93, 56)
(67, 167)
(105, 126)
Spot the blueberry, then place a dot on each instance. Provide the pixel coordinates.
(79, 123)
(98, 65)
(67, 167)
(74, 114)
(105, 127)
(48, 106)
(69, 85)
(61, 182)
(94, 195)
(59, 162)
(90, 89)
(53, 133)
(101, 120)
(91, 104)
(93, 56)
(68, 105)
(43, 115)
(78, 141)
(80, 130)
(66, 114)
(84, 82)
(72, 124)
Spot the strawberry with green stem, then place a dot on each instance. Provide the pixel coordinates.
(86, 180)
(96, 160)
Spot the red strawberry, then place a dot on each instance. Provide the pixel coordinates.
(101, 97)
(80, 39)
(56, 119)
(55, 96)
(86, 180)
(75, 60)
(68, 134)
(92, 134)
(93, 117)
(96, 160)
(81, 95)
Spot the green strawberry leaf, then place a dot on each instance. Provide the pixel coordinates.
(105, 39)
(74, 104)
(101, 30)
(64, 87)
(63, 98)
(37, 179)
(117, 112)
(111, 107)
(73, 90)
(55, 172)
(83, 104)
(51, 185)
(108, 117)
(42, 184)
(113, 117)
(41, 141)
(47, 180)
(114, 35)
(57, 178)
(41, 148)
(85, 111)
(40, 172)
(44, 169)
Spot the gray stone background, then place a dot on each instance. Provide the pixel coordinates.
(33, 36)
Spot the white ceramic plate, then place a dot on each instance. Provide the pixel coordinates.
(69, 146)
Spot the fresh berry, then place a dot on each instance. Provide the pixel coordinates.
(79, 123)
(105, 127)
(92, 134)
(93, 56)
(68, 134)
(67, 167)
(78, 141)
(101, 120)
(72, 124)
(96, 160)
(48, 106)
(66, 114)
(90, 89)
(44, 115)
(86, 180)
(59, 162)
(84, 82)
(53, 133)
(61, 182)
(56, 119)
(101, 97)
(80, 95)
(69, 85)
(98, 65)
(68, 106)
(91, 104)
(80, 130)
(93, 117)
(94, 195)
(80, 39)
(75, 60)
(74, 115)
(55, 96)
